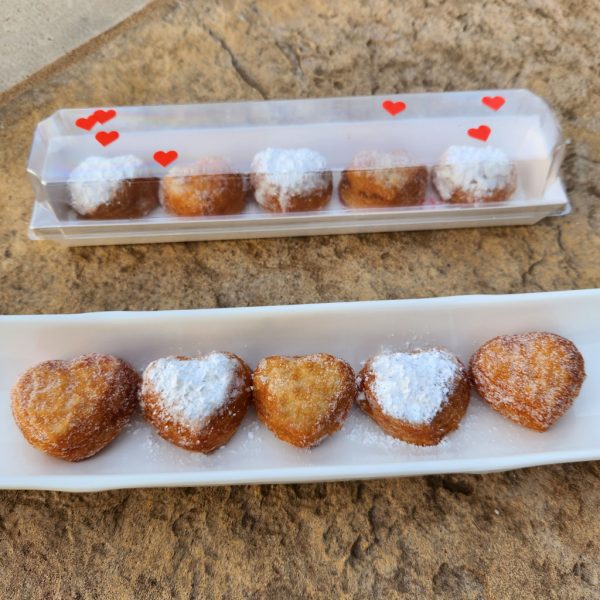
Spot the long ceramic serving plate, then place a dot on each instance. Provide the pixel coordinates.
(138, 458)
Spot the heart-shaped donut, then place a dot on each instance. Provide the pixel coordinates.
(72, 409)
(531, 378)
(196, 403)
(303, 399)
(418, 397)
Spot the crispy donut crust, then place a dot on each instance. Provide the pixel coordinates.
(460, 196)
(426, 434)
(73, 409)
(498, 195)
(531, 378)
(303, 399)
(217, 429)
(400, 186)
(314, 200)
(203, 194)
(134, 198)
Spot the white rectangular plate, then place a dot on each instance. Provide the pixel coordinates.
(138, 458)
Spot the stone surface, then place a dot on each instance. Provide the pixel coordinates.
(526, 534)
(33, 35)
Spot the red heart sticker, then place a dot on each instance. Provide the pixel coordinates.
(107, 137)
(480, 133)
(165, 158)
(392, 107)
(493, 102)
(103, 116)
(86, 122)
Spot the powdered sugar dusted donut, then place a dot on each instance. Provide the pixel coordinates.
(418, 397)
(112, 188)
(196, 403)
(467, 174)
(289, 180)
(208, 187)
(379, 179)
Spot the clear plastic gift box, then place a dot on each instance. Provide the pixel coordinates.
(443, 139)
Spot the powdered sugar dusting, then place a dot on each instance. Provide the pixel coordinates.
(191, 390)
(286, 173)
(476, 171)
(200, 179)
(207, 165)
(372, 159)
(360, 430)
(540, 371)
(372, 437)
(413, 386)
(96, 179)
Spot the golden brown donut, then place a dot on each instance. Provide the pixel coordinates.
(72, 409)
(378, 179)
(197, 403)
(112, 188)
(418, 397)
(291, 180)
(209, 187)
(531, 378)
(303, 399)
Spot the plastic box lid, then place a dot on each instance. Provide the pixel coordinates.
(169, 140)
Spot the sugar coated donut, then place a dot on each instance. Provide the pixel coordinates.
(196, 403)
(383, 179)
(303, 399)
(72, 409)
(208, 187)
(418, 397)
(468, 175)
(290, 180)
(531, 378)
(112, 188)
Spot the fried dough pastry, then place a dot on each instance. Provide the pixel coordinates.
(531, 378)
(378, 179)
(206, 188)
(303, 399)
(418, 397)
(471, 175)
(112, 188)
(197, 403)
(73, 409)
(291, 180)
(300, 202)
(133, 198)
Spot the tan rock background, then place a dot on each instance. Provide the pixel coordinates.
(527, 534)
(34, 35)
